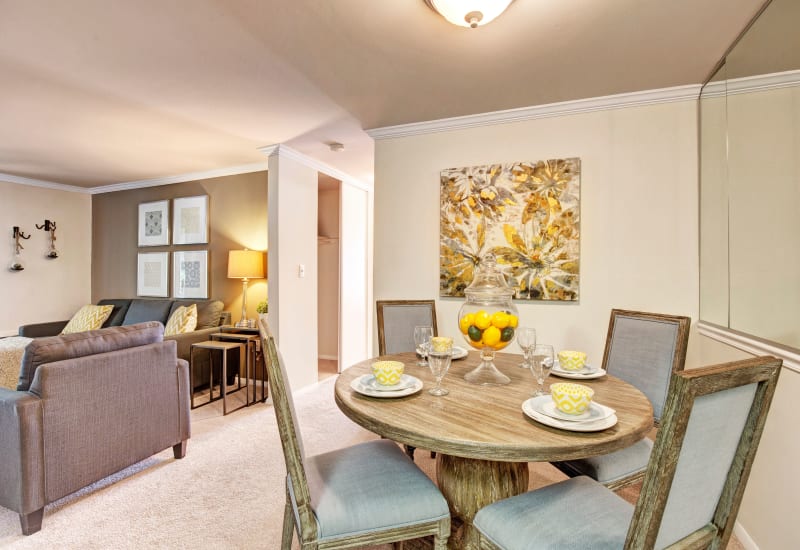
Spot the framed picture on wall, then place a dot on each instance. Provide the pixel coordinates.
(190, 274)
(190, 220)
(152, 274)
(154, 223)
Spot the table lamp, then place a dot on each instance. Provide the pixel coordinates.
(245, 264)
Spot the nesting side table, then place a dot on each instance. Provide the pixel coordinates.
(254, 365)
(223, 348)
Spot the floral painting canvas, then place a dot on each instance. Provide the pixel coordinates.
(526, 213)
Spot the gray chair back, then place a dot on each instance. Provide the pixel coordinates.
(703, 454)
(396, 322)
(644, 349)
(286, 417)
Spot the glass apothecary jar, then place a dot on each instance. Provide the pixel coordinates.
(488, 320)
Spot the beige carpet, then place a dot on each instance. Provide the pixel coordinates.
(226, 494)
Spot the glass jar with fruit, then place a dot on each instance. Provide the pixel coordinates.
(488, 320)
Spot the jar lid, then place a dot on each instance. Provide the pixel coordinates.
(489, 282)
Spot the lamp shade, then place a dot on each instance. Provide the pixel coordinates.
(245, 264)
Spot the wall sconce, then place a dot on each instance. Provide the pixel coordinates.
(16, 263)
(51, 228)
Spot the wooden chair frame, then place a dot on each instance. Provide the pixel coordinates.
(381, 304)
(685, 387)
(307, 528)
(678, 361)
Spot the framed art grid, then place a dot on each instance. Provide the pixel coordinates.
(190, 220)
(152, 274)
(154, 223)
(190, 274)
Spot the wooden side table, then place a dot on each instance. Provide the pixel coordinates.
(254, 365)
(223, 348)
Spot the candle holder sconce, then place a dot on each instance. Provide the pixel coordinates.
(16, 263)
(50, 227)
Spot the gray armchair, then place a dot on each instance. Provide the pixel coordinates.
(88, 405)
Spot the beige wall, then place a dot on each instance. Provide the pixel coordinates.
(237, 216)
(48, 289)
(328, 288)
(638, 210)
(293, 189)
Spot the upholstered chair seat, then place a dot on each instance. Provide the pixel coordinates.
(366, 477)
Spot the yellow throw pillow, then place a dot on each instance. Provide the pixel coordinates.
(88, 318)
(182, 320)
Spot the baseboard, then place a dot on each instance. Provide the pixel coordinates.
(744, 537)
(329, 357)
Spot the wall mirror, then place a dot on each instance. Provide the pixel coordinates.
(750, 183)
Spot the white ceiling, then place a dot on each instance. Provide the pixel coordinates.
(99, 92)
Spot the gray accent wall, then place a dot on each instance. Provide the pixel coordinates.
(237, 216)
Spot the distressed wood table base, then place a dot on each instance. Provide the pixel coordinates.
(469, 484)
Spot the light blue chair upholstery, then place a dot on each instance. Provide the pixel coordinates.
(643, 349)
(366, 494)
(396, 322)
(712, 425)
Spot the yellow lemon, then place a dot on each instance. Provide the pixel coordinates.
(482, 320)
(513, 320)
(491, 336)
(500, 319)
(465, 322)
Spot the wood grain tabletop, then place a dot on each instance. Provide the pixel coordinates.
(487, 422)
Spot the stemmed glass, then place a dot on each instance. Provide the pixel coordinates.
(526, 338)
(422, 339)
(440, 355)
(541, 365)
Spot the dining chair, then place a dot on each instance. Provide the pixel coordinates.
(366, 494)
(698, 470)
(643, 349)
(396, 322)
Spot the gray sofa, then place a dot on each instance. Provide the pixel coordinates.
(88, 405)
(128, 311)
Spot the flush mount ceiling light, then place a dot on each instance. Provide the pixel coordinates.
(469, 13)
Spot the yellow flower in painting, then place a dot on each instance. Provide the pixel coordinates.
(488, 194)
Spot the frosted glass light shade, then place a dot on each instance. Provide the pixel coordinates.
(245, 264)
(469, 13)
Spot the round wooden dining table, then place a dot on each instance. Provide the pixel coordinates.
(482, 438)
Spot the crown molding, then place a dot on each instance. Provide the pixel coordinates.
(748, 84)
(281, 150)
(619, 101)
(42, 183)
(180, 178)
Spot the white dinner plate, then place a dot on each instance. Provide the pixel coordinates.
(586, 373)
(361, 385)
(544, 404)
(406, 381)
(458, 352)
(592, 426)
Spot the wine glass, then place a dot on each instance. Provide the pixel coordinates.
(422, 339)
(440, 355)
(541, 365)
(526, 338)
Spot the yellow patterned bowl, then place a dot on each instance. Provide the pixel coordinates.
(387, 373)
(571, 360)
(571, 398)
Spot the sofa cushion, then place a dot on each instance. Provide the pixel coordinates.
(80, 344)
(182, 320)
(208, 312)
(147, 310)
(88, 317)
(118, 313)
